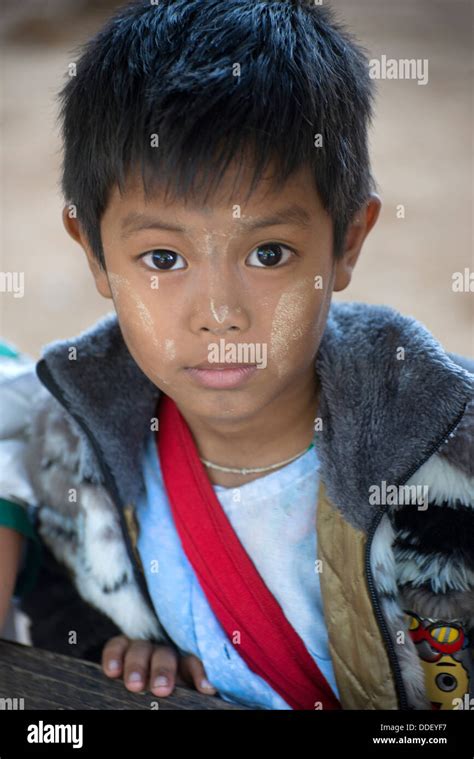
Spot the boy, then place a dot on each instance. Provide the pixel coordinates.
(232, 466)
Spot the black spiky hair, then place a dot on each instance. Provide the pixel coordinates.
(215, 80)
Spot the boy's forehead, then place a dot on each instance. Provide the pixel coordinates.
(297, 198)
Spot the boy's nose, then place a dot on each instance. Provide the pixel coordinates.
(217, 301)
(219, 317)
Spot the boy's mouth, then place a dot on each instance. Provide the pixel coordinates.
(221, 376)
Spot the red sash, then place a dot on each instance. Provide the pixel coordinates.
(236, 593)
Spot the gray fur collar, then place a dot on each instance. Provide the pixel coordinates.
(381, 415)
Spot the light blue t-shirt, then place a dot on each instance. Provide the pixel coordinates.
(274, 518)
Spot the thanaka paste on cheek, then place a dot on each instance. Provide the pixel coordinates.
(288, 323)
(170, 349)
(120, 285)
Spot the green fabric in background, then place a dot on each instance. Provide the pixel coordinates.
(14, 516)
(8, 350)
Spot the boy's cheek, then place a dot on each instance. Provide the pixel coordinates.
(155, 349)
(155, 355)
(296, 326)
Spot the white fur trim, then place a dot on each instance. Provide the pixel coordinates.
(446, 483)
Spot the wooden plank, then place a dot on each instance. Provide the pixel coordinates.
(45, 680)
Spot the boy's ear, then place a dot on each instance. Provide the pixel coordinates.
(358, 229)
(74, 230)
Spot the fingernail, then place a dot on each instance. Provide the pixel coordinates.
(161, 682)
(135, 677)
(206, 684)
(113, 665)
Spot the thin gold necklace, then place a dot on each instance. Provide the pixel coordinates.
(247, 470)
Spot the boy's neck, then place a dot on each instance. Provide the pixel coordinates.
(283, 429)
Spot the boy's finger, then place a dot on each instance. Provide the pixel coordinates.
(137, 664)
(112, 655)
(164, 667)
(191, 668)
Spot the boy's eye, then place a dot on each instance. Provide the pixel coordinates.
(270, 255)
(162, 259)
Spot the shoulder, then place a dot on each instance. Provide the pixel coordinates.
(458, 450)
(20, 391)
(40, 444)
(464, 361)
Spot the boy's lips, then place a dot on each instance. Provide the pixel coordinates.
(215, 365)
(221, 375)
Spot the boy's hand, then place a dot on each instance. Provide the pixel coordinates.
(143, 666)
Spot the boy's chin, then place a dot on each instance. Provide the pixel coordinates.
(221, 405)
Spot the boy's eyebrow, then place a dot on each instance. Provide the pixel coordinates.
(294, 214)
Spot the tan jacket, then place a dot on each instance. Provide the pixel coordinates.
(362, 668)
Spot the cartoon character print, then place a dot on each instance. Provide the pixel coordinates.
(443, 647)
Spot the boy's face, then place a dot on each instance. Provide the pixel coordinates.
(180, 295)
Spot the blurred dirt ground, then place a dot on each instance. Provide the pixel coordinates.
(421, 146)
